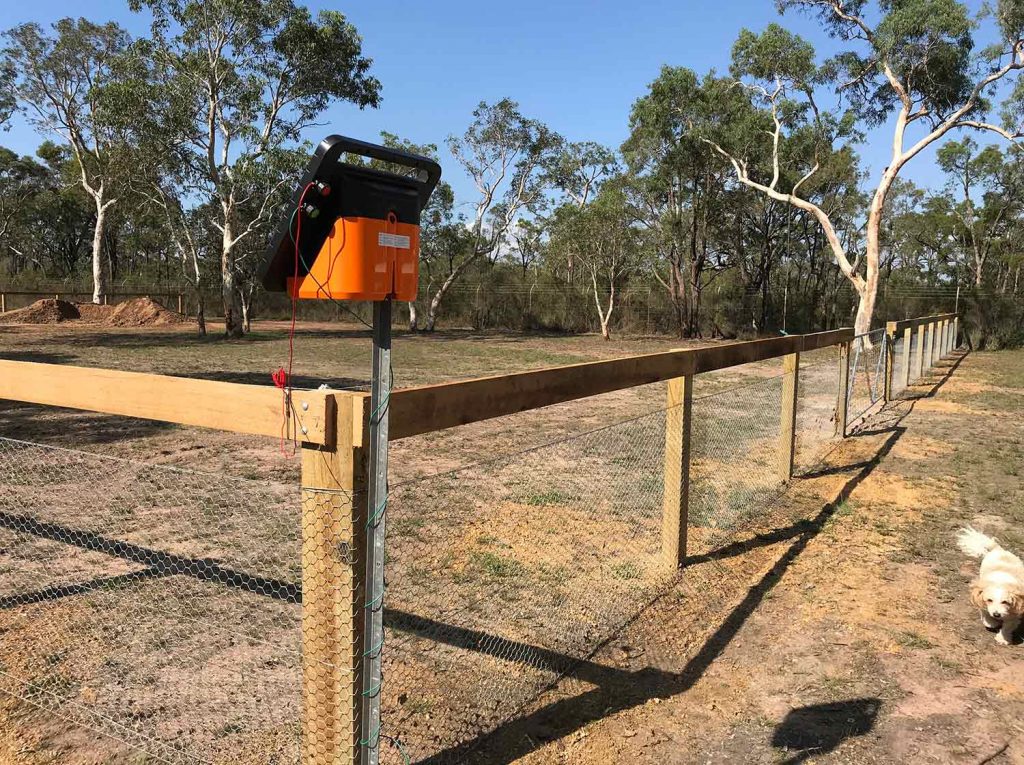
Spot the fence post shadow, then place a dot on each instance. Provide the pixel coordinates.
(619, 689)
(932, 388)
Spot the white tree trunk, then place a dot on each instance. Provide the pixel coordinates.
(229, 292)
(435, 301)
(867, 288)
(99, 271)
(604, 316)
(413, 318)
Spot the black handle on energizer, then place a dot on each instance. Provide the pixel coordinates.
(333, 146)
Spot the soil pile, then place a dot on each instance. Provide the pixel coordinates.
(140, 312)
(143, 312)
(48, 311)
(94, 314)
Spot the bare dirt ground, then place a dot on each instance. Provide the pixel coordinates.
(851, 639)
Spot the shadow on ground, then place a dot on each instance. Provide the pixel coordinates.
(820, 728)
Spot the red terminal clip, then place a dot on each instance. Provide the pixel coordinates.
(324, 189)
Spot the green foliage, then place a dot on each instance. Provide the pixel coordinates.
(775, 55)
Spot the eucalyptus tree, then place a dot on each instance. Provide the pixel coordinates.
(911, 63)
(505, 155)
(981, 174)
(677, 182)
(21, 179)
(241, 80)
(61, 82)
(577, 169)
(608, 244)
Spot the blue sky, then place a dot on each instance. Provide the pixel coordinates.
(578, 66)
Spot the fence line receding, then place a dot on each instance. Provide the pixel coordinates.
(201, 618)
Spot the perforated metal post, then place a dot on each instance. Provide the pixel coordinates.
(889, 352)
(380, 392)
(908, 340)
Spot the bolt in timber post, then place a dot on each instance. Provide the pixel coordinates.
(842, 405)
(787, 422)
(889, 348)
(333, 559)
(676, 496)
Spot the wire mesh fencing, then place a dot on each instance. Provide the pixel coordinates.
(817, 418)
(505, 575)
(866, 386)
(171, 610)
(157, 606)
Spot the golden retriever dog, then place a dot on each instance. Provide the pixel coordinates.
(998, 592)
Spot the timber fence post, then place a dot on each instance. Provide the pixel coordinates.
(333, 562)
(787, 422)
(676, 495)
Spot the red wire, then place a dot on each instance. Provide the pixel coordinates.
(282, 379)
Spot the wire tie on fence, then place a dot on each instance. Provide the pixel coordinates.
(377, 413)
(398, 745)
(377, 600)
(373, 741)
(377, 514)
(371, 692)
(375, 650)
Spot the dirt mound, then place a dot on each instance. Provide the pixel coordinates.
(95, 314)
(42, 312)
(143, 312)
(140, 312)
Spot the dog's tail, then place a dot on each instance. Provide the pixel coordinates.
(972, 542)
